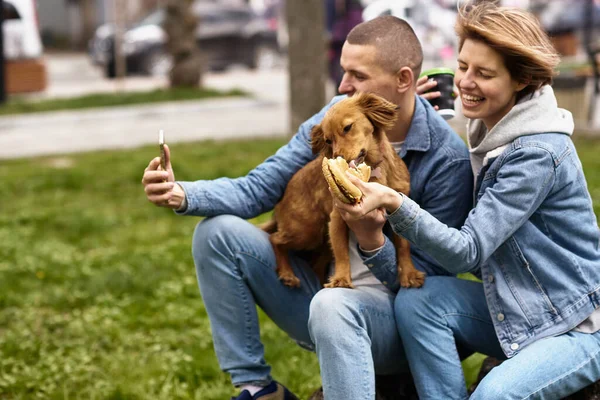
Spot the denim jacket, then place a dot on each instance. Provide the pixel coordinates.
(436, 157)
(532, 236)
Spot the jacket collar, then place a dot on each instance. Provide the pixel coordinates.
(418, 137)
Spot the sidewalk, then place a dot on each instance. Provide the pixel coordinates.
(265, 114)
(128, 127)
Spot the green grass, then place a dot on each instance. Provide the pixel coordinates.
(21, 105)
(98, 296)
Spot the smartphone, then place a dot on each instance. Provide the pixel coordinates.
(161, 144)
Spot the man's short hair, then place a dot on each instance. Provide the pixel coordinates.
(396, 43)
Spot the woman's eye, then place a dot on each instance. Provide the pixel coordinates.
(347, 128)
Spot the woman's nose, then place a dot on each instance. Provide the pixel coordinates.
(465, 81)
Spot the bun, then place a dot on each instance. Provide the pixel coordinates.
(334, 171)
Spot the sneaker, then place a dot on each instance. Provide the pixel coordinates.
(274, 391)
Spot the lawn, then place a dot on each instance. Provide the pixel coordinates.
(98, 295)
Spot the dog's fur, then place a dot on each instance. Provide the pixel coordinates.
(354, 129)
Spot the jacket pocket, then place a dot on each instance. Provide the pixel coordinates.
(526, 288)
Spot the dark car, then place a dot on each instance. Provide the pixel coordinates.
(226, 35)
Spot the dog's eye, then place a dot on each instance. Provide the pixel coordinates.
(328, 141)
(347, 128)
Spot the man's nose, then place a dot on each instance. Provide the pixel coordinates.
(345, 86)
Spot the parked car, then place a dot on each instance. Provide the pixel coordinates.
(227, 34)
(20, 29)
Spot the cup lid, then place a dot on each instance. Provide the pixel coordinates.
(437, 71)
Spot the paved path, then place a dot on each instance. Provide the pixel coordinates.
(27, 135)
(265, 114)
(128, 127)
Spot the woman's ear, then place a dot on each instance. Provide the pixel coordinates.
(404, 79)
(521, 86)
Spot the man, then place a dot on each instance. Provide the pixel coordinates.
(352, 330)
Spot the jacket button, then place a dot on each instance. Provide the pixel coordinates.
(490, 278)
(370, 265)
(384, 282)
(500, 317)
(514, 346)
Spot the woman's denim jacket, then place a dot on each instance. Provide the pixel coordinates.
(533, 238)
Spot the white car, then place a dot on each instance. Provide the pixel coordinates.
(21, 32)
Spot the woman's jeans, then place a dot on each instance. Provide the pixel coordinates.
(448, 311)
(353, 331)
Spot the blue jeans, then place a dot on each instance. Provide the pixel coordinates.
(352, 331)
(448, 311)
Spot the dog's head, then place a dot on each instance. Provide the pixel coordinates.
(353, 127)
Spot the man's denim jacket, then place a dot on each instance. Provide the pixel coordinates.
(532, 236)
(436, 157)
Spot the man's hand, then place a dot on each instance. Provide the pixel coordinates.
(368, 229)
(160, 186)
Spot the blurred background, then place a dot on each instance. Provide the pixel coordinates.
(56, 49)
(98, 296)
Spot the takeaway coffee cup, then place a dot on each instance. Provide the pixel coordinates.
(445, 85)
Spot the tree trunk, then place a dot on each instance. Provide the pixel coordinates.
(180, 25)
(307, 58)
(88, 21)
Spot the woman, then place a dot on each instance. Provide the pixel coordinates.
(532, 236)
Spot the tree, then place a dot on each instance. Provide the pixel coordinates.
(180, 26)
(306, 58)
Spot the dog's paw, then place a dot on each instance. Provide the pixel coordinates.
(339, 283)
(412, 278)
(290, 280)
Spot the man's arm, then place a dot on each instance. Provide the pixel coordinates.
(246, 196)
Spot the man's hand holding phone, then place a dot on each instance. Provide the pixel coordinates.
(159, 182)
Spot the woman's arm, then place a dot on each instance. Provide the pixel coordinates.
(521, 184)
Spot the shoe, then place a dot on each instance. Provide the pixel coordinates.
(274, 391)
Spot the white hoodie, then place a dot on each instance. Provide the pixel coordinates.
(533, 114)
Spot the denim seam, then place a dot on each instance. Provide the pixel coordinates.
(468, 316)
(364, 367)
(578, 367)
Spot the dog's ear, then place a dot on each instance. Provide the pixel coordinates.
(317, 139)
(378, 110)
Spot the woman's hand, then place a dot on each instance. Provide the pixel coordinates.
(423, 85)
(375, 197)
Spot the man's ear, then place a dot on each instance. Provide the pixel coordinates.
(378, 110)
(404, 79)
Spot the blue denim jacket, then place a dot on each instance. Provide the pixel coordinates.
(533, 236)
(440, 176)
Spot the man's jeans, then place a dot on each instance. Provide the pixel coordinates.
(352, 330)
(448, 311)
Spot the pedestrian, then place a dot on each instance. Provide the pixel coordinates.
(353, 331)
(532, 236)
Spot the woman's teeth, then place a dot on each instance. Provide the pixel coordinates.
(472, 99)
